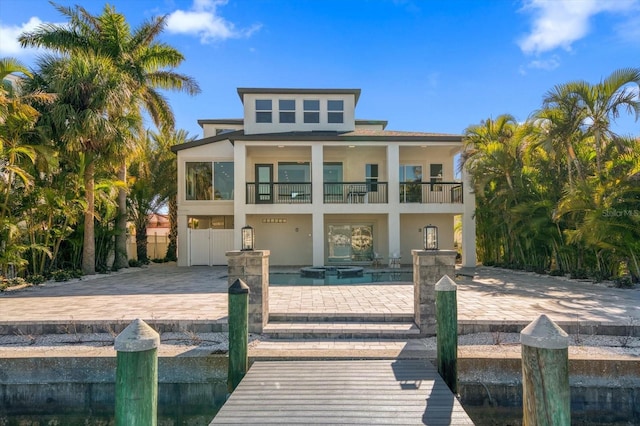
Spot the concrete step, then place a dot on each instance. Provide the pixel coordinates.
(341, 317)
(341, 330)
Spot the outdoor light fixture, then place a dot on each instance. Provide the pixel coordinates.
(248, 238)
(430, 237)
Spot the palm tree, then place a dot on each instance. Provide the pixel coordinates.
(19, 159)
(87, 86)
(168, 189)
(603, 102)
(138, 56)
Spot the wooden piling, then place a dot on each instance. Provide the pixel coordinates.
(238, 333)
(447, 331)
(546, 398)
(137, 375)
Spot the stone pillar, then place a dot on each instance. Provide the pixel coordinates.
(252, 267)
(428, 267)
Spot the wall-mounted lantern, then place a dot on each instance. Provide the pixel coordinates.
(248, 238)
(430, 237)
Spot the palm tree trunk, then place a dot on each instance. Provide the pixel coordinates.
(89, 243)
(172, 248)
(141, 240)
(120, 260)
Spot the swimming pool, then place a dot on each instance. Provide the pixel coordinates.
(369, 277)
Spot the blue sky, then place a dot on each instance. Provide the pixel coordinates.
(431, 65)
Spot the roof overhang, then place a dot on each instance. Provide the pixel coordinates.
(289, 91)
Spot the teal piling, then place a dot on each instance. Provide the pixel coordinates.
(546, 398)
(447, 331)
(137, 375)
(238, 333)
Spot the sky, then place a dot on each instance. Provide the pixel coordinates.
(423, 65)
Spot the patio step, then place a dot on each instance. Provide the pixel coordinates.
(341, 317)
(341, 330)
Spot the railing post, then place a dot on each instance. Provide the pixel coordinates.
(447, 331)
(546, 396)
(238, 333)
(137, 375)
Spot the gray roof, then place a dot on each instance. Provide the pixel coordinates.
(357, 135)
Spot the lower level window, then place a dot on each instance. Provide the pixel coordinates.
(210, 222)
(350, 243)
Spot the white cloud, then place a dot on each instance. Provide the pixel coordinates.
(545, 64)
(203, 20)
(9, 36)
(559, 23)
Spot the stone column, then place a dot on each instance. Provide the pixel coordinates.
(428, 267)
(252, 267)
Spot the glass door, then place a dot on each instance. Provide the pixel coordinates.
(264, 182)
(410, 184)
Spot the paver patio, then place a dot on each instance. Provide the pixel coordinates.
(167, 292)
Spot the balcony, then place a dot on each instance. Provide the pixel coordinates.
(279, 193)
(355, 193)
(431, 192)
(300, 193)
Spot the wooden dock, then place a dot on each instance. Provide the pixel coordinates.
(392, 392)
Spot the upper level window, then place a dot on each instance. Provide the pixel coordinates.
(209, 181)
(311, 111)
(263, 110)
(223, 180)
(199, 177)
(335, 112)
(287, 109)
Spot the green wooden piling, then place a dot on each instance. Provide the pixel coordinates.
(238, 333)
(137, 375)
(546, 398)
(447, 331)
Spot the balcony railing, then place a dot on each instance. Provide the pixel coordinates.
(355, 192)
(431, 192)
(279, 193)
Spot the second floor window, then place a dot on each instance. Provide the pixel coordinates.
(287, 109)
(335, 111)
(199, 176)
(435, 176)
(263, 110)
(311, 111)
(206, 180)
(223, 180)
(371, 176)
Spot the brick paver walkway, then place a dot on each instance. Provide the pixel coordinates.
(166, 292)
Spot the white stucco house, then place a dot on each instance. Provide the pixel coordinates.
(319, 186)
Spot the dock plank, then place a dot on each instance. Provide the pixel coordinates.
(342, 392)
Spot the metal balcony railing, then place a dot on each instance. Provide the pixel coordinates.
(356, 192)
(279, 193)
(431, 192)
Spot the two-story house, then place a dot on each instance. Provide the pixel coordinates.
(319, 186)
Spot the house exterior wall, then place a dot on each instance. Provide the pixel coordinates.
(296, 233)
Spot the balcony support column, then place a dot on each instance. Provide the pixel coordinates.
(239, 189)
(317, 191)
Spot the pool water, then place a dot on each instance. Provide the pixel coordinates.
(369, 277)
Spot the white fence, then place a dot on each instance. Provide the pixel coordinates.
(156, 246)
